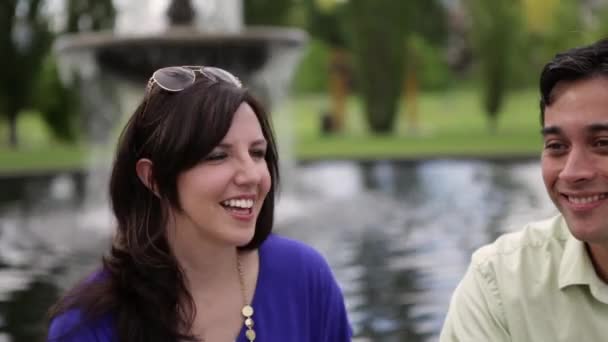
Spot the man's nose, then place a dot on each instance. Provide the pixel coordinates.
(579, 166)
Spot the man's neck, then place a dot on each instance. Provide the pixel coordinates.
(599, 258)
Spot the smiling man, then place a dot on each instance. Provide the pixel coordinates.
(549, 282)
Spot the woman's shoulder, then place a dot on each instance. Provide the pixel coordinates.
(287, 255)
(290, 250)
(301, 279)
(73, 325)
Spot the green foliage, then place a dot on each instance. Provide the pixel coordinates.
(326, 21)
(602, 22)
(378, 47)
(426, 26)
(311, 75)
(267, 12)
(378, 33)
(24, 40)
(427, 20)
(90, 15)
(564, 30)
(57, 103)
(494, 33)
(429, 61)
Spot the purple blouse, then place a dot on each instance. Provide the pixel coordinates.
(296, 299)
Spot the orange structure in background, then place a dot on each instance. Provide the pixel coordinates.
(339, 88)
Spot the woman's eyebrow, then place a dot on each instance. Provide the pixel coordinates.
(261, 141)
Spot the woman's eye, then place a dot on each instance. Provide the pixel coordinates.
(258, 153)
(215, 156)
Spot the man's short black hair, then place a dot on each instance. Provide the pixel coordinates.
(574, 64)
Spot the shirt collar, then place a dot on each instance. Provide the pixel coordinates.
(576, 268)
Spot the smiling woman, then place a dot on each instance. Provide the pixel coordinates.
(194, 258)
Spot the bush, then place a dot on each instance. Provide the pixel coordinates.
(312, 73)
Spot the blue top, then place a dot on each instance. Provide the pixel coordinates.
(296, 299)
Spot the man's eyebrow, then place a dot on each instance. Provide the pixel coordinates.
(551, 130)
(593, 128)
(598, 127)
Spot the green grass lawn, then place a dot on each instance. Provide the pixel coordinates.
(450, 124)
(37, 149)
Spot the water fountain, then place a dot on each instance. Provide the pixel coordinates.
(113, 67)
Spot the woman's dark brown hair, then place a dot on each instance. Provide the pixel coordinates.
(141, 285)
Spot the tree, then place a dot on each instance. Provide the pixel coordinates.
(495, 28)
(376, 31)
(56, 102)
(24, 41)
(90, 15)
(267, 12)
(326, 24)
(425, 27)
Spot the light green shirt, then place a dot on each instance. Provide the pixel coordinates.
(534, 285)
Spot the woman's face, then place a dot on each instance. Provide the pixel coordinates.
(221, 196)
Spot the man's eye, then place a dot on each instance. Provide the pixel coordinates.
(601, 143)
(555, 146)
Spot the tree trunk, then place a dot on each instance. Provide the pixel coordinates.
(13, 140)
(338, 86)
(410, 95)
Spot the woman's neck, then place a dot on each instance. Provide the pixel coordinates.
(206, 263)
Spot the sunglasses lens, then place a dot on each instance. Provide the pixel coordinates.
(221, 74)
(174, 78)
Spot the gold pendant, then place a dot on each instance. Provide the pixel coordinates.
(250, 335)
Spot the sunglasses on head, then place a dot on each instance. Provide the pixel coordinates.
(178, 78)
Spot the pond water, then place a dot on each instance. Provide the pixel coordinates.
(398, 236)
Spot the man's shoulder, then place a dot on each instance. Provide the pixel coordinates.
(529, 245)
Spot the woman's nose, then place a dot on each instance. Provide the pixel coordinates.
(248, 171)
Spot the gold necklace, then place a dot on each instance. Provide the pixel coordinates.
(247, 310)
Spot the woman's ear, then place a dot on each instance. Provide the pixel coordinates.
(143, 167)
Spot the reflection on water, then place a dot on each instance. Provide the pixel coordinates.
(397, 235)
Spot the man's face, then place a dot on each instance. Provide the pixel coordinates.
(575, 156)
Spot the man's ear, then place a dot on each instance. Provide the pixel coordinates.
(143, 167)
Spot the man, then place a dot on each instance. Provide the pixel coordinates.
(549, 282)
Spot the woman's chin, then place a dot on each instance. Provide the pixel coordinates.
(241, 238)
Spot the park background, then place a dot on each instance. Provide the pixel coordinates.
(410, 130)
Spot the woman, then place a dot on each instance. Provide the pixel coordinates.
(193, 258)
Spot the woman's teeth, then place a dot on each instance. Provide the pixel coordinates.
(239, 203)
